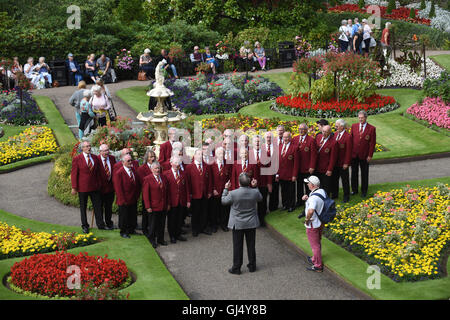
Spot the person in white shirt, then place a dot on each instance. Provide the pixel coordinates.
(314, 226)
(30, 72)
(343, 38)
(367, 34)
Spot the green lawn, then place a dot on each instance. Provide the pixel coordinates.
(443, 60)
(154, 282)
(353, 269)
(403, 137)
(55, 122)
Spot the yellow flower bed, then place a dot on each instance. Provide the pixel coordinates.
(403, 230)
(15, 242)
(32, 142)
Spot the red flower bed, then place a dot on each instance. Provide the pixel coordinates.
(302, 106)
(401, 13)
(46, 274)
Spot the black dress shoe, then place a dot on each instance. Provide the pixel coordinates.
(85, 230)
(109, 228)
(183, 232)
(173, 240)
(315, 269)
(101, 228)
(124, 235)
(251, 268)
(345, 200)
(181, 238)
(207, 232)
(225, 229)
(154, 244)
(301, 215)
(214, 230)
(234, 271)
(163, 243)
(284, 208)
(195, 234)
(363, 195)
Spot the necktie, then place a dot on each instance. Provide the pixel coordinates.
(90, 165)
(283, 152)
(132, 176)
(268, 150)
(159, 181)
(257, 157)
(178, 178)
(200, 169)
(244, 168)
(108, 173)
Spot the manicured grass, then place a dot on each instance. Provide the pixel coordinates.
(353, 269)
(154, 282)
(443, 60)
(11, 130)
(55, 122)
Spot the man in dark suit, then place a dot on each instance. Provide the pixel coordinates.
(200, 190)
(85, 178)
(127, 187)
(274, 198)
(178, 199)
(243, 220)
(344, 145)
(107, 188)
(156, 199)
(326, 158)
(288, 171)
(307, 148)
(363, 139)
(221, 174)
(73, 70)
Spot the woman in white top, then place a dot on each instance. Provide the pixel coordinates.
(343, 38)
(367, 34)
(100, 105)
(30, 72)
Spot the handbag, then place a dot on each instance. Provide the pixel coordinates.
(373, 43)
(142, 76)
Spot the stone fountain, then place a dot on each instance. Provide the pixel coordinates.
(162, 115)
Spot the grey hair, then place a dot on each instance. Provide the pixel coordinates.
(364, 113)
(155, 164)
(341, 122)
(147, 155)
(344, 22)
(103, 146)
(172, 129)
(177, 145)
(281, 126)
(175, 158)
(388, 24)
(220, 149)
(244, 179)
(96, 88)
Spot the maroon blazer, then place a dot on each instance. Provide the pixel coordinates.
(327, 156)
(344, 146)
(364, 143)
(119, 164)
(307, 153)
(252, 170)
(143, 171)
(263, 180)
(200, 185)
(106, 185)
(127, 189)
(155, 196)
(220, 178)
(178, 192)
(83, 179)
(288, 167)
(165, 152)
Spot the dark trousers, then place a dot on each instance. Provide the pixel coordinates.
(262, 205)
(287, 193)
(74, 78)
(326, 182)
(223, 212)
(339, 172)
(156, 225)
(274, 198)
(174, 221)
(96, 203)
(238, 247)
(199, 214)
(149, 70)
(302, 187)
(364, 165)
(127, 215)
(107, 203)
(144, 219)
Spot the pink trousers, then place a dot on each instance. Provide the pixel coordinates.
(314, 238)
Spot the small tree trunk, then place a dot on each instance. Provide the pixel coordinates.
(21, 100)
(424, 61)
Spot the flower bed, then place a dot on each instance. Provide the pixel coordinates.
(405, 232)
(15, 242)
(303, 106)
(31, 143)
(433, 110)
(221, 94)
(401, 13)
(12, 112)
(47, 274)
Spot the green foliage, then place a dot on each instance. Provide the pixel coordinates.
(361, 4)
(252, 35)
(412, 13)
(322, 89)
(129, 10)
(438, 87)
(422, 4)
(391, 6)
(432, 12)
(297, 84)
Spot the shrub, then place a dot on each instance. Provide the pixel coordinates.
(322, 89)
(439, 87)
(391, 6)
(432, 12)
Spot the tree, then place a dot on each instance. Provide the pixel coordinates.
(412, 13)
(130, 10)
(361, 4)
(422, 5)
(432, 13)
(391, 6)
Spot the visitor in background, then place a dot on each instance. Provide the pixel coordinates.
(343, 38)
(104, 64)
(246, 56)
(386, 40)
(196, 58)
(100, 105)
(357, 41)
(146, 64)
(165, 56)
(367, 34)
(16, 67)
(350, 34)
(44, 72)
(260, 55)
(89, 65)
(86, 115)
(210, 60)
(75, 101)
(30, 72)
(103, 88)
(73, 70)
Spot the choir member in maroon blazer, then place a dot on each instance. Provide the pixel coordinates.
(144, 171)
(307, 157)
(243, 165)
(221, 174)
(288, 171)
(326, 158)
(274, 198)
(107, 188)
(85, 178)
(155, 193)
(123, 153)
(230, 153)
(178, 199)
(344, 146)
(128, 189)
(363, 139)
(200, 190)
(165, 150)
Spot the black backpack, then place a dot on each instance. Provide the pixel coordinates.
(329, 209)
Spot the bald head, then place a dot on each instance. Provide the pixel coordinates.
(326, 131)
